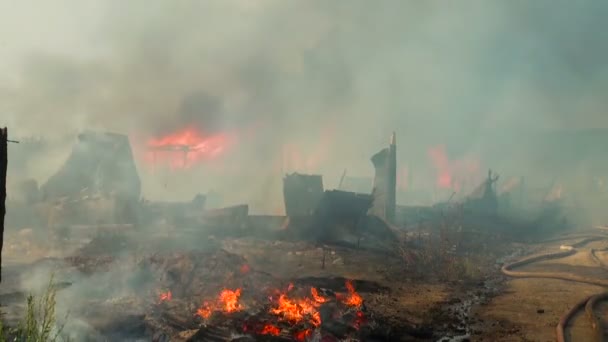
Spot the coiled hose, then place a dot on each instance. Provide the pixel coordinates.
(587, 303)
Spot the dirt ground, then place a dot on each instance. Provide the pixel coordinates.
(492, 307)
(529, 309)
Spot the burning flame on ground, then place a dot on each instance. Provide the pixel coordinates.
(270, 329)
(297, 310)
(227, 302)
(353, 298)
(186, 147)
(287, 309)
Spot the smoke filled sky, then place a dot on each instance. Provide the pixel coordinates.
(433, 71)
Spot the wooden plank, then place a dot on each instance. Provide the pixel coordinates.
(3, 166)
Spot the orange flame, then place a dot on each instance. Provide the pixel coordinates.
(316, 296)
(270, 329)
(297, 310)
(204, 311)
(165, 296)
(228, 302)
(188, 146)
(353, 298)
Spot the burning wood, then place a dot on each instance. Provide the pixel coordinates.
(249, 304)
(227, 302)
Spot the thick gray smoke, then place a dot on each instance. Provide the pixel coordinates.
(334, 78)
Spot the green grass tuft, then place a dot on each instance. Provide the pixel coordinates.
(39, 321)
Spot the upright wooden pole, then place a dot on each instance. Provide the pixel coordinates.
(3, 165)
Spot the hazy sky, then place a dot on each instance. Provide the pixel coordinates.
(436, 72)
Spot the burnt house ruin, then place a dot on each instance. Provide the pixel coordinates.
(100, 164)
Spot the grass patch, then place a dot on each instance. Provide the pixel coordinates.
(39, 321)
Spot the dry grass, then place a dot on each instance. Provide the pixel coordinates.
(436, 251)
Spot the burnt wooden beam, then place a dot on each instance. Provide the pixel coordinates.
(3, 166)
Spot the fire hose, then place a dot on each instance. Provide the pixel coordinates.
(587, 303)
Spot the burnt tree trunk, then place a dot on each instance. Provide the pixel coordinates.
(3, 165)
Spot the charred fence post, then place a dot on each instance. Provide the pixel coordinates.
(324, 256)
(3, 167)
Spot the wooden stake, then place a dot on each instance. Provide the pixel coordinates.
(3, 166)
(323, 260)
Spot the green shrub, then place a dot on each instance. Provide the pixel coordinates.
(39, 321)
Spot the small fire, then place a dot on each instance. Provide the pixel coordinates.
(297, 310)
(353, 298)
(165, 296)
(230, 299)
(270, 329)
(316, 296)
(228, 302)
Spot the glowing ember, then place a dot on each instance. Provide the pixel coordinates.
(188, 146)
(165, 296)
(353, 298)
(227, 302)
(360, 320)
(245, 269)
(204, 311)
(270, 329)
(303, 335)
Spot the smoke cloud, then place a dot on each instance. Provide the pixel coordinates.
(329, 79)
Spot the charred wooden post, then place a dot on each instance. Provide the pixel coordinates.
(323, 260)
(385, 182)
(3, 167)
